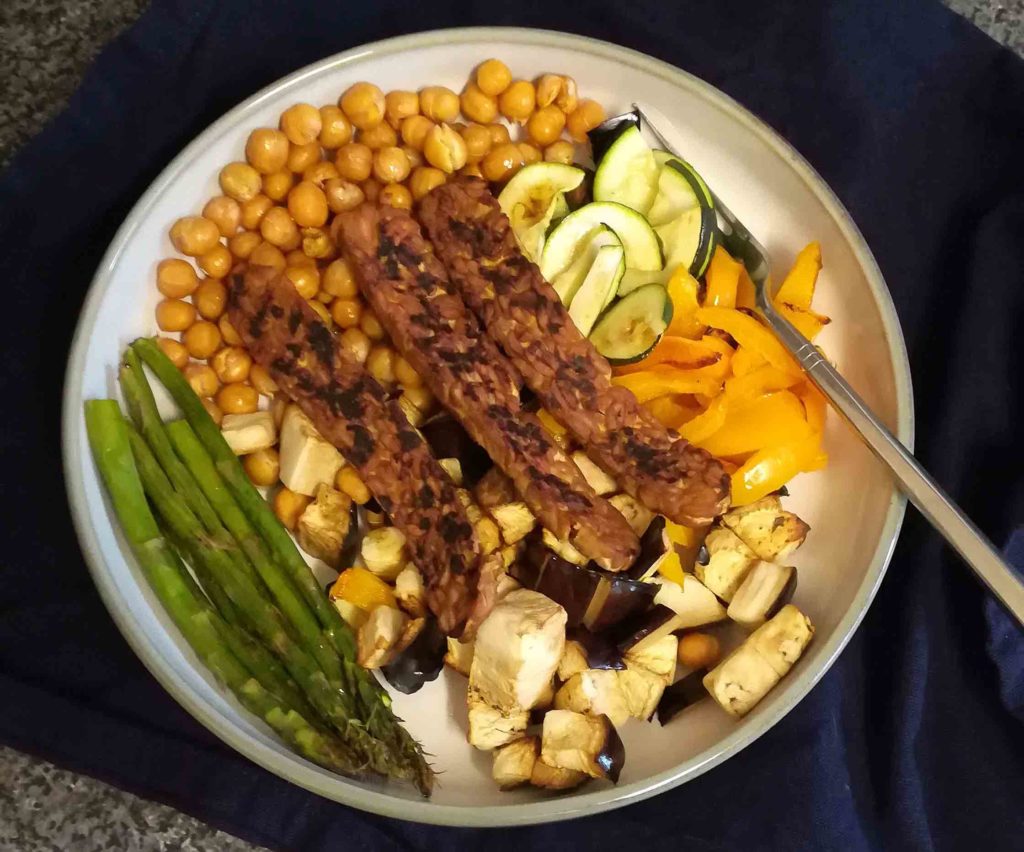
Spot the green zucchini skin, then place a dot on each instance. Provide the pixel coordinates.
(649, 306)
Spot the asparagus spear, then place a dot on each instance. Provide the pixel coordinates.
(208, 504)
(108, 438)
(381, 722)
(263, 617)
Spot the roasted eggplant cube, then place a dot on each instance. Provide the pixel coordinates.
(594, 692)
(513, 763)
(692, 601)
(379, 635)
(490, 727)
(587, 744)
(409, 590)
(767, 529)
(782, 640)
(766, 589)
(741, 680)
(383, 552)
(324, 525)
(729, 560)
(655, 545)
(596, 478)
(460, 655)
(514, 520)
(555, 778)
(638, 516)
(682, 694)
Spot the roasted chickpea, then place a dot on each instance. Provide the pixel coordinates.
(176, 278)
(231, 364)
(346, 313)
(301, 123)
(320, 173)
(216, 262)
(445, 149)
(354, 161)
(561, 151)
(439, 103)
(253, 211)
(225, 213)
(471, 170)
(348, 482)
(261, 380)
(546, 125)
(698, 650)
(424, 179)
(584, 118)
(371, 189)
(277, 185)
(415, 156)
(176, 353)
(307, 205)
(421, 397)
(302, 157)
(396, 195)
(194, 235)
(371, 325)
(228, 332)
(267, 150)
(380, 364)
(399, 105)
(343, 195)
(279, 229)
(239, 181)
(263, 467)
(363, 105)
(288, 506)
(478, 141)
(477, 106)
(338, 280)
(355, 342)
(174, 315)
(242, 244)
(531, 154)
(266, 254)
(567, 100)
(202, 379)
(502, 162)
(390, 165)
(381, 136)
(210, 298)
(201, 339)
(405, 375)
(335, 129)
(548, 87)
(237, 398)
(493, 77)
(297, 257)
(415, 129)
(305, 279)
(518, 100)
(318, 244)
(499, 134)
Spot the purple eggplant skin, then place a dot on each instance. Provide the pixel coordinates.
(612, 756)
(626, 598)
(601, 652)
(680, 695)
(448, 440)
(639, 627)
(653, 545)
(420, 663)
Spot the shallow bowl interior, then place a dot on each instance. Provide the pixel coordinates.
(852, 507)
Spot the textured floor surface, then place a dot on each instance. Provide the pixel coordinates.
(45, 46)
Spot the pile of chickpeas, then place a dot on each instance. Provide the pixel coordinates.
(275, 210)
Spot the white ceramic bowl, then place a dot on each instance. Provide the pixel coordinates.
(852, 506)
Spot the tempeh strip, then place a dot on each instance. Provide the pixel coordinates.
(352, 411)
(524, 315)
(430, 324)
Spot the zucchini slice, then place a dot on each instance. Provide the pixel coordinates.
(641, 245)
(627, 173)
(598, 288)
(567, 282)
(675, 196)
(631, 327)
(534, 197)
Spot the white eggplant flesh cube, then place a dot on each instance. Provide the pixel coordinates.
(354, 616)
(782, 639)
(506, 583)
(658, 657)
(247, 433)
(638, 516)
(596, 478)
(583, 743)
(383, 552)
(729, 560)
(513, 763)
(490, 727)
(766, 587)
(595, 692)
(767, 529)
(409, 590)
(515, 520)
(379, 635)
(642, 689)
(487, 534)
(741, 680)
(563, 548)
(307, 459)
(692, 601)
(555, 778)
(323, 526)
(573, 660)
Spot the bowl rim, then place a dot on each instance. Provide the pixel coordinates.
(296, 770)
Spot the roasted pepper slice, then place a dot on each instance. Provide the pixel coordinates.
(682, 290)
(665, 380)
(776, 418)
(364, 589)
(745, 361)
(746, 296)
(772, 467)
(722, 278)
(798, 287)
(745, 389)
(671, 568)
(749, 332)
(678, 351)
(671, 411)
(708, 422)
(814, 404)
(807, 322)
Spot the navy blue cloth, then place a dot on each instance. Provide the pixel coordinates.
(916, 120)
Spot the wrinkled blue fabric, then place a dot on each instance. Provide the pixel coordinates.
(912, 116)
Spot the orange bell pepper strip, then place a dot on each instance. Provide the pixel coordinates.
(708, 422)
(722, 279)
(682, 290)
(671, 568)
(662, 381)
(671, 411)
(362, 588)
(777, 418)
(746, 296)
(745, 361)
(772, 467)
(815, 406)
(749, 332)
(745, 389)
(721, 369)
(798, 287)
(552, 426)
(684, 536)
(678, 351)
(807, 322)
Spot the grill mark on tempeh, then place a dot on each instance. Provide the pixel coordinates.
(428, 321)
(352, 411)
(522, 312)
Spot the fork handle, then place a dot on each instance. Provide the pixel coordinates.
(923, 491)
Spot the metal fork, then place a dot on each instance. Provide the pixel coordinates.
(923, 491)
